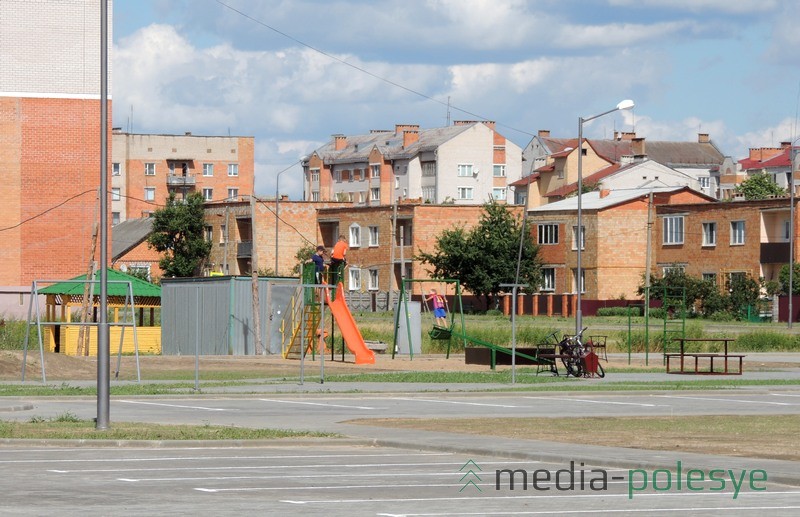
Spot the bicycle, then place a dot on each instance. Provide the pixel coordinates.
(573, 355)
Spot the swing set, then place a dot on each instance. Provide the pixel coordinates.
(430, 304)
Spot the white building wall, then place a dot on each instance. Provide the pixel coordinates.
(473, 146)
(648, 173)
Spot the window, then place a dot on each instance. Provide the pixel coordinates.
(114, 218)
(465, 170)
(208, 233)
(208, 194)
(115, 170)
(337, 176)
(735, 277)
(373, 235)
(140, 270)
(149, 193)
(737, 232)
(499, 194)
(373, 279)
(233, 169)
(223, 232)
(375, 194)
(355, 279)
(358, 174)
(575, 237)
(709, 234)
(673, 268)
(208, 169)
(787, 230)
(548, 279)
(233, 193)
(705, 182)
(428, 194)
(548, 233)
(575, 280)
(315, 195)
(465, 192)
(429, 169)
(355, 236)
(673, 229)
(376, 170)
(315, 175)
(150, 169)
(115, 194)
(499, 170)
(403, 233)
(710, 277)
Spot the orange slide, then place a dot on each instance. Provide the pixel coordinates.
(347, 325)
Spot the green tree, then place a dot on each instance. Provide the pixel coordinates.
(302, 256)
(485, 256)
(783, 277)
(674, 281)
(178, 235)
(759, 186)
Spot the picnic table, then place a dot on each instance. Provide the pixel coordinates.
(682, 355)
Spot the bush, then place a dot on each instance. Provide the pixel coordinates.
(722, 316)
(658, 313)
(619, 311)
(12, 335)
(495, 313)
(766, 341)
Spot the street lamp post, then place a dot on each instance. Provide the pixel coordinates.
(277, 208)
(624, 105)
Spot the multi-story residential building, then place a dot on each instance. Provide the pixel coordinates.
(613, 239)
(554, 162)
(468, 163)
(49, 142)
(773, 161)
(146, 169)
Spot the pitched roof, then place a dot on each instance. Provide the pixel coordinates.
(781, 159)
(590, 179)
(527, 180)
(117, 286)
(593, 201)
(128, 234)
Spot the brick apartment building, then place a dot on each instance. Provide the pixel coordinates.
(466, 163)
(49, 142)
(147, 168)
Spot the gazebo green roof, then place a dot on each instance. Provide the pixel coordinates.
(116, 287)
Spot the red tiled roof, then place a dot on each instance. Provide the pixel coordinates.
(592, 178)
(527, 180)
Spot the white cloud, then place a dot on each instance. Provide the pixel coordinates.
(697, 6)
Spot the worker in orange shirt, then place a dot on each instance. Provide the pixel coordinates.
(338, 255)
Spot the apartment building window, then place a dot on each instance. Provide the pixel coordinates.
(358, 174)
(375, 171)
(709, 234)
(337, 176)
(575, 237)
(355, 279)
(208, 233)
(575, 280)
(208, 194)
(428, 194)
(233, 169)
(233, 193)
(149, 193)
(115, 196)
(315, 175)
(373, 279)
(465, 192)
(710, 277)
(223, 231)
(429, 169)
(499, 194)
(115, 169)
(787, 230)
(673, 268)
(347, 175)
(705, 182)
(673, 229)
(548, 279)
(150, 169)
(737, 233)
(548, 233)
(736, 276)
(403, 233)
(355, 236)
(373, 236)
(208, 169)
(315, 195)
(465, 170)
(375, 194)
(499, 170)
(115, 218)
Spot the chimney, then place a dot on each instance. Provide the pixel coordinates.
(464, 122)
(604, 192)
(188, 133)
(785, 145)
(544, 133)
(339, 142)
(702, 138)
(409, 137)
(490, 124)
(627, 135)
(616, 135)
(399, 128)
(637, 146)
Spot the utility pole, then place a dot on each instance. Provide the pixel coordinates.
(390, 303)
(88, 297)
(254, 276)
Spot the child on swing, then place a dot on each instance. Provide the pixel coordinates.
(439, 311)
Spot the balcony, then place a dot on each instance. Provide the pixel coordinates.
(244, 249)
(774, 252)
(179, 180)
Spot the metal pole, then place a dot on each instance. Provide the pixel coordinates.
(103, 338)
(254, 276)
(579, 232)
(277, 219)
(791, 234)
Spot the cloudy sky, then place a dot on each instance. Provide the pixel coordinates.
(292, 73)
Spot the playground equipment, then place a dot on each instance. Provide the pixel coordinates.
(302, 325)
(437, 332)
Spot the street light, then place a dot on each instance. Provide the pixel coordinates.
(624, 105)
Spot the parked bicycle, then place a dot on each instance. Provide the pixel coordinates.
(573, 355)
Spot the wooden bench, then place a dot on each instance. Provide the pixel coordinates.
(683, 355)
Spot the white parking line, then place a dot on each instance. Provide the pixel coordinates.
(315, 404)
(598, 401)
(721, 399)
(174, 405)
(414, 399)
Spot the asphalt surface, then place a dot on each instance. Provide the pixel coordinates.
(386, 471)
